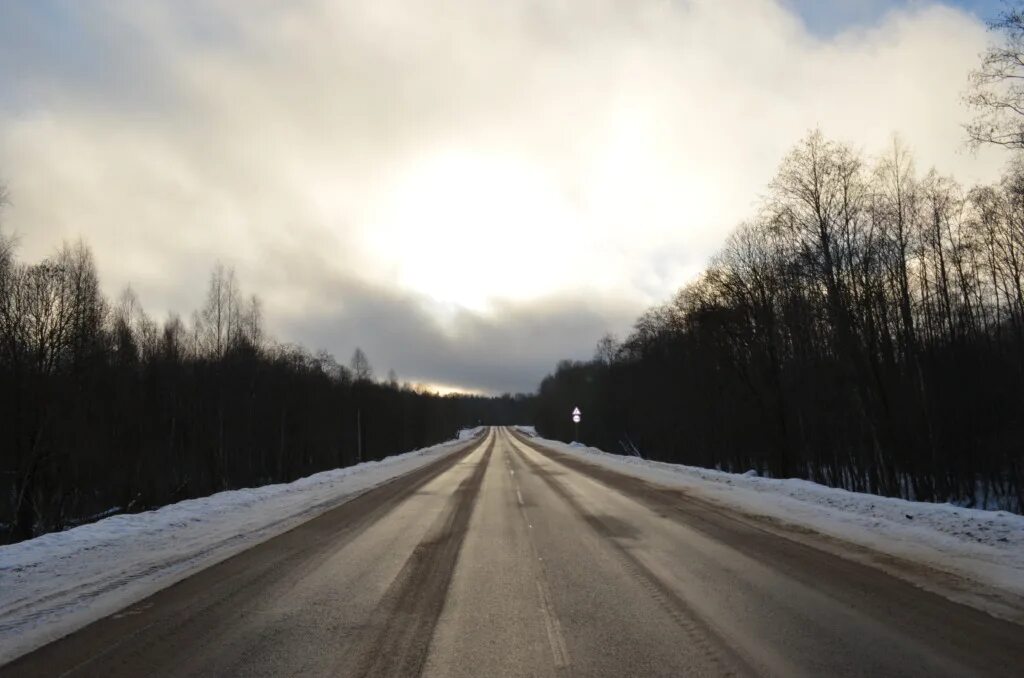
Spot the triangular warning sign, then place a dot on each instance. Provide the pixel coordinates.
(576, 412)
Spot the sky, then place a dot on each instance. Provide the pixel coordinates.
(468, 190)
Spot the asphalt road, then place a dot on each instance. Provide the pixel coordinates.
(511, 560)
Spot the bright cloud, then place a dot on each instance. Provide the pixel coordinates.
(458, 156)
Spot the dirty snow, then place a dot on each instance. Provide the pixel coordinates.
(59, 582)
(467, 433)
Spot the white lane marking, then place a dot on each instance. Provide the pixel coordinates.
(556, 639)
(554, 628)
(139, 609)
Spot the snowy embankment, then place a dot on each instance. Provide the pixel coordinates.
(983, 550)
(59, 582)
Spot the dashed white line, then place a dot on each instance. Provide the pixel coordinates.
(554, 628)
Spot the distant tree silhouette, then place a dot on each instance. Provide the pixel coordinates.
(103, 410)
(360, 365)
(607, 349)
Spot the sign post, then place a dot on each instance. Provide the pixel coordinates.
(576, 422)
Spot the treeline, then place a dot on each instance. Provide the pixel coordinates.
(865, 331)
(103, 410)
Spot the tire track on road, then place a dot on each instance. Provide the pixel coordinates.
(708, 643)
(991, 647)
(161, 624)
(397, 638)
(552, 626)
(384, 492)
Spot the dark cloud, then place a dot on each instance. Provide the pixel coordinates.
(507, 350)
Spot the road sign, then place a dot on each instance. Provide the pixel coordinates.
(576, 418)
(576, 412)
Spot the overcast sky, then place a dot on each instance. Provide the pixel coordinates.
(467, 190)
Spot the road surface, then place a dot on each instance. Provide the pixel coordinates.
(508, 559)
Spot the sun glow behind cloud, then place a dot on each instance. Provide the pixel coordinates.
(469, 227)
(453, 158)
(466, 229)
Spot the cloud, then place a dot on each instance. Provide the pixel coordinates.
(453, 185)
(489, 353)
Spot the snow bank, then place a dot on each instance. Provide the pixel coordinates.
(59, 582)
(983, 549)
(467, 433)
(527, 430)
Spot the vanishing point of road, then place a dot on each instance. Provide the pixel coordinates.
(506, 558)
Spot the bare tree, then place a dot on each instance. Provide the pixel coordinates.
(607, 349)
(173, 339)
(996, 88)
(252, 322)
(360, 366)
(7, 319)
(6, 242)
(221, 315)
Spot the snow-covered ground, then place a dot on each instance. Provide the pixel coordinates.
(983, 550)
(467, 433)
(59, 582)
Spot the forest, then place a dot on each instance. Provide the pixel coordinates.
(103, 410)
(865, 331)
